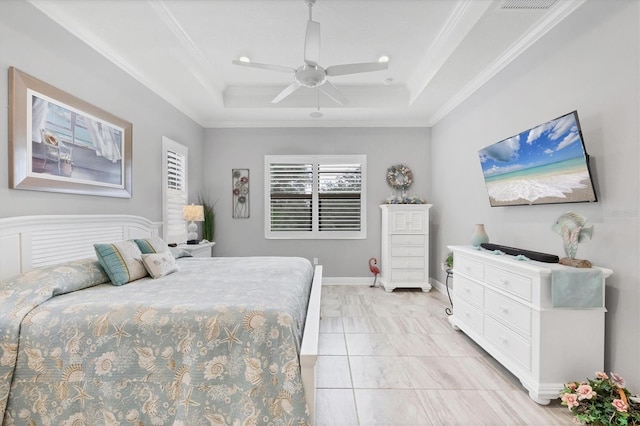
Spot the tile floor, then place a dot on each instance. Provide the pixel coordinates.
(392, 359)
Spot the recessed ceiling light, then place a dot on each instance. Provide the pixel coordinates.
(383, 58)
(244, 59)
(316, 114)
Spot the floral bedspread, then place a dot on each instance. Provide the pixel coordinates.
(215, 343)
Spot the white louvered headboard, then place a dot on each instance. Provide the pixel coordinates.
(28, 242)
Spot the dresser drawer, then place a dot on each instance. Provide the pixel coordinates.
(468, 266)
(407, 240)
(408, 275)
(469, 290)
(468, 314)
(508, 311)
(407, 262)
(512, 345)
(402, 251)
(507, 281)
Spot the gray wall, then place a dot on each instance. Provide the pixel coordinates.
(589, 63)
(34, 44)
(226, 149)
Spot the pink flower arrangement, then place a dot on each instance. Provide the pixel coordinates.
(601, 401)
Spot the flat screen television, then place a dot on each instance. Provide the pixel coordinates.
(547, 164)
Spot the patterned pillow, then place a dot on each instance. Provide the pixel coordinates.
(152, 245)
(160, 264)
(122, 261)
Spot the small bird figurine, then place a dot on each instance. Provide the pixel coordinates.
(571, 227)
(374, 270)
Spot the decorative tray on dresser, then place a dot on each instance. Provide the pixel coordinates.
(519, 312)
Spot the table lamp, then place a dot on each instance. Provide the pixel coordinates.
(193, 214)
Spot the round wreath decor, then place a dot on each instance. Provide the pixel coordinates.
(399, 177)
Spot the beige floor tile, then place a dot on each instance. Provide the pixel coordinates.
(331, 325)
(453, 373)
(400, 325)
(390, 407)
(333, 372)
(516, 408)
(458, 407)
(361, 325)
(331, 344)
(369, 344)
(454, 345)
(415, 345)
(336, 407)
(394, 359)
(378, 372)
(356, 310)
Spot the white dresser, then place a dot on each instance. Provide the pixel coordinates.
(507, 306)
(405, 246)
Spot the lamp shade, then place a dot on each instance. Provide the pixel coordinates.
(193, 213)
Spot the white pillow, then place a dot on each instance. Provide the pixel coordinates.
(160, 264)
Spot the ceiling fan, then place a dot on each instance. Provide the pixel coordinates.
(311, 74)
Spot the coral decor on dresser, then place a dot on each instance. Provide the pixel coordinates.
(572, 228)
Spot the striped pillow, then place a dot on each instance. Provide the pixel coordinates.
(152, 245)
(121, 261)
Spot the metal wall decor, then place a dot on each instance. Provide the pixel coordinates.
(240, 180)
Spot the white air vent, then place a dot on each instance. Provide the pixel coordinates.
(527, 4)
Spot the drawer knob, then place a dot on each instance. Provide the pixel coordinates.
(504, 282)
(503, 340)
(503, 309)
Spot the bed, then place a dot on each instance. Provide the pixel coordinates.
(220, 341)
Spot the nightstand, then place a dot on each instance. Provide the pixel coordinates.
(198, 250)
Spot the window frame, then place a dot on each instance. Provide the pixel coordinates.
(315, 160)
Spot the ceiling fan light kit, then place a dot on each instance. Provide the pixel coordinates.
(311, 74)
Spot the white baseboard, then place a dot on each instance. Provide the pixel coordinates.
(369, 280)
(348, 281)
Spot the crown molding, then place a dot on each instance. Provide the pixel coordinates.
(542, 27)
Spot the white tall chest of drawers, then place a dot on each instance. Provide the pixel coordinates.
(405, 246)
(507, 307)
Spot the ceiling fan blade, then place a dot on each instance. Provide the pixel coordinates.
(265, 66)
(356, 68)
(312, 43)
(330, 90)
(286, 92)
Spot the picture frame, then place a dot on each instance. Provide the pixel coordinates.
(60, 143)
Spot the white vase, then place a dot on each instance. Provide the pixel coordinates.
(479, 235)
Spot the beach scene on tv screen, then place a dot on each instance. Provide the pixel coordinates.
(543, 165)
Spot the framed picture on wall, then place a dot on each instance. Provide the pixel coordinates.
(60, 143)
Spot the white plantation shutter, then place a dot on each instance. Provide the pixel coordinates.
(339, 192)
(174, 190)
(315, 196)
(291, 189)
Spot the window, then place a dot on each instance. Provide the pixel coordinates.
(174, 190)
(315, 197)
